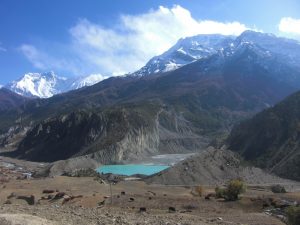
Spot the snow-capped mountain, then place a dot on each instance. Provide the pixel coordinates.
(185, 51)
(45, 85)
(190, 49)
(41, 85)
(287, 49)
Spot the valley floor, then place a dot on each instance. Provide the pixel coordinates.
(65, 200)
(86, 201)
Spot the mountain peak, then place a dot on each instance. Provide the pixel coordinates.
(47, 84)
(36, 84)
(185, 51)
(256, 33)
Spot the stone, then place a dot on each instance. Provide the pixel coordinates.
(46, 191)
(29, 199)
(143, 209)
(12, 195)
(172, 209)
(59, 195)
(7, 202)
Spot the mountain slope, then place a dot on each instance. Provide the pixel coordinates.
(86, 81)
(112, 135)
(45, 85)
(238, 82)
(10, 100)
(271, 138)
(11, 107)
(288, 50)
(189, 107)
(212, 167)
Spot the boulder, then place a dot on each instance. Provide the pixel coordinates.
(29, 199)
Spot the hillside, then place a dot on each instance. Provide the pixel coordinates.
(271, 138)
(10, 100)
(11, 107)
(213, 167)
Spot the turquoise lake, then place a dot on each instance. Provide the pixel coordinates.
(131, 169)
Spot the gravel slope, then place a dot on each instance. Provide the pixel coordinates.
(214, 167)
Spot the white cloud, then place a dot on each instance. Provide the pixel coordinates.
(43, 61)
(33, 55)
(289, 25)
(128, 45)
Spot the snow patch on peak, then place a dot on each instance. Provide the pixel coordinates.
(171, 66)
(181, 50)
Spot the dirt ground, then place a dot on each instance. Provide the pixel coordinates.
(65, 200)
(92, 204)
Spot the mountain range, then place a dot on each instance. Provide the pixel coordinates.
(45, 85)
(175, 111)
(185, 51)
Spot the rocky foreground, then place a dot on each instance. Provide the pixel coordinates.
(56, 215)
(85, 198)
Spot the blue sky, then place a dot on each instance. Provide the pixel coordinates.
(77, 38)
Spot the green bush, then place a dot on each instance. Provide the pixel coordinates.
(232, 191)
(234, 188)
(220, 192)
(278, 189)
(293, 215)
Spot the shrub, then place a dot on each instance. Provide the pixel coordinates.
(293, 215)
(278, 189)
(232, 191)
(220, 192)
(199, 190)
